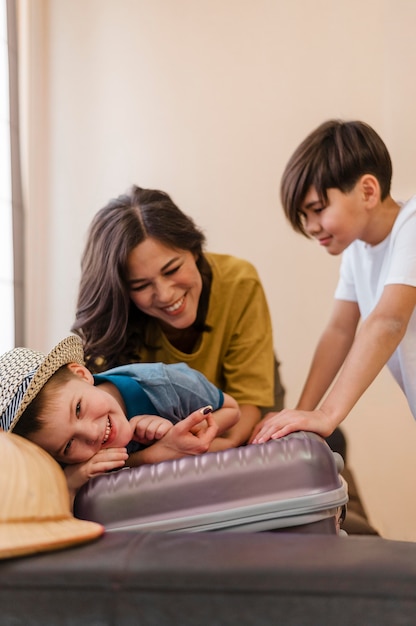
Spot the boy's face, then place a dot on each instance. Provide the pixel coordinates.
(83, 420)
(338, 223)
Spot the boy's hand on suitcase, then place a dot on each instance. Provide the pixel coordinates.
(277, 425)
(149, 428)
(103, 461)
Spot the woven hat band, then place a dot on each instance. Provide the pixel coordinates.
(12, 408)
(24, 372)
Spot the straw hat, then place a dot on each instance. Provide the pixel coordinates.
(24, 372)
(35, 506)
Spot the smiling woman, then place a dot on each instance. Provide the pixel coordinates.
(150, 293)
(165, 284)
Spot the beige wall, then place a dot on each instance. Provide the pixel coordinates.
(206, 99)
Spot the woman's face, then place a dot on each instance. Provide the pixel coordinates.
(164, 283)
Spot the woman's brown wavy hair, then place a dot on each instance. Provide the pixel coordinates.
(111, 326)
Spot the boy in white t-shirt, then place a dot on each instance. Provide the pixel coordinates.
(336, 189)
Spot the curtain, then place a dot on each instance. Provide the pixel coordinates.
(16, 185)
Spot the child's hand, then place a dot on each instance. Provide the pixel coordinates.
(106, 459)
(288, 421)
(201, 426)
(148, 428)
(193, 435)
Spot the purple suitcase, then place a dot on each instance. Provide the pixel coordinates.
(291, 484)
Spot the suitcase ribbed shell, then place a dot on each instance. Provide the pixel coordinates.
(289, 482)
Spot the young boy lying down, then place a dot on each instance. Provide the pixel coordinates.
(129, 415)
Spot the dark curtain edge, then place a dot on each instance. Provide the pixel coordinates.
(16, 179)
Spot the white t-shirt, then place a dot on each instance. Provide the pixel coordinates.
(364, 272)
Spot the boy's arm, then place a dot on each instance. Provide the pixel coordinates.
(331, 351)
(235, 423)
(379, 336)
(151, 428)
(105, 460)
(192, 389)
(192, 435)
(228, 421)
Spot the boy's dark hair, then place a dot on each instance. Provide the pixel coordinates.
(335, 155)
(30, 421)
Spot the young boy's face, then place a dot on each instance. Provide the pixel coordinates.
(83, 420)
(338, 223)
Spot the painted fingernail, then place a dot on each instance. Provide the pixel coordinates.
(206, 410)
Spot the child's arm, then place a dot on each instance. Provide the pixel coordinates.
(105, 460)
(149, 428)
(226, 418)
(379, 336)
(192, 435)
(330, 353)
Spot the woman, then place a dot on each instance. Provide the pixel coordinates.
(150, 293)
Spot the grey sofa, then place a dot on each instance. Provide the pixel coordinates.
(222, 579)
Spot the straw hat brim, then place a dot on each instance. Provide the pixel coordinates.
(23, 538)
(69, 350)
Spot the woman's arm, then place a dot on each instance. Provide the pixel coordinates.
(249, 368)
